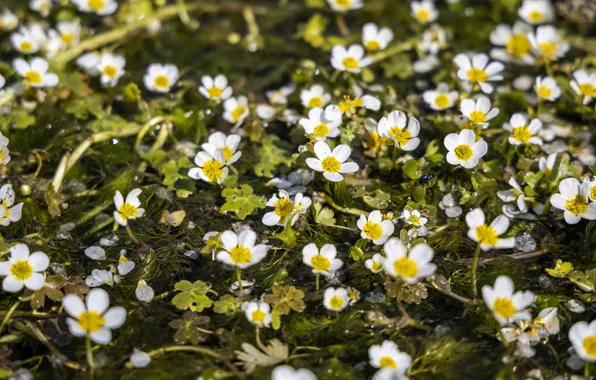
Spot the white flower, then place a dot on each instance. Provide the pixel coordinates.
(160, 78)
(2, 93)
(69, 32)
(54, 44)
(258, 313)
(521, 131)
(410, 267)
(35, 72)
(93, 318)
(7, 195)
(546, 164)
(99, 7)
(8, 20)
(332, 164)
(89, 62)
(23, 269)
(280, 97)
(351, 59)
(573, 198)
(584, 84)
(335, 299)
(215, 88)
(345, 5)
(315, 96)
(144, 292)
(511, 194)
(488, 235)
(388, 355)
(286, 209)
(583, 338)
(318, 126)
(285, 372)
(536, 11)
(506, 305)
(375, 264)
(426, 64)
(99, 277)
(95, 253)
(25, 42)
(441, 98)
(43, 7)
(513, 43)
(129, 209)
(139, 359)
(463, 149)
(111, 68)
(349, 106)
(265, 112)
(210, 168)
(424, 11)
(228, 146)
(433, 39)
(236, 109)
(478, 70)
(414, 218)
(240, 250)
(375, 39)
(322, 261)
(547, 88)
(547, 43)
(125, 266)
(375, 228)
(394, 126)
(478, 112)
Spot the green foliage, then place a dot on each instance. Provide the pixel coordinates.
(271, 155)
(192, 296)
(242, 201)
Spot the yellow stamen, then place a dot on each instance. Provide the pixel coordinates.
(463, 152)
(487, 235)
(320, 263)
(331, 164)
(504, 308)
(21, 270)
(240, 255)
(405, 267)
(91, 321)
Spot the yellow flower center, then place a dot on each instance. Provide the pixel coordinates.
(336, 302)
(315, 101)
(238, 112)
(321, 130)
(405, 267)
(122, 259)
(343, 3)
(240, 255)
(478, 116)
(463, 152)
(576, 206)
(590, 345)
(414, 219)
(487, 235)
(373, 45)
(258, 316)
(350, 63)
(543, 91)
(227, 152)
(128, 211)
(536, 16)
(549, 50)
(331, 164)
(401, 135)
(373, 230)
(91, 321)
(504, 308)
(592, 192)
(377, 265)
(33, 77)
(214, 92)
(213, 170)
(387, 362)
(518, 45)
(67, 38)
(476, 74)
(96, 4)
(110, 71)
(320, 263)
(442, 101)
(4, 203)
(161, 81)
(283, 207)
(522, 134)
(21, 270)
(26, 46)
(588, 89)
(422, 15)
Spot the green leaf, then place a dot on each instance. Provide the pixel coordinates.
(242, 201)
(171, 169)
(192, 296)
(287, 236)
(226, 305)
(275, 321)
(324, 215)
(378, 200)
(271, 156)
(16, 119)
(412, 169)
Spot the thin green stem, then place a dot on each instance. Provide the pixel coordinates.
(451, 294)
(239, 278)
(9, 314)
(132, 236)
(546, 207)
(341, 24)
(587, 370)
(90, 360)
(502, 336)
(346, 210)
(474, 265)
(317, 280)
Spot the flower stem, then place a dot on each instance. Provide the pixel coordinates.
(587, 370)
(317, 276)
(341, 24)
(90, 360)
(474, 265)
(9, 314)
(132, 236)
(546, 207)
(451, 294)
(258, 339)
(502, 336)
(239, 278)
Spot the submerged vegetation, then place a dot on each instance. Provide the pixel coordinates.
(297, 189)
